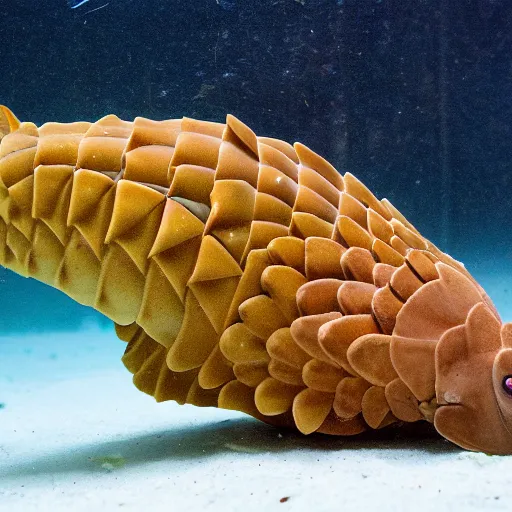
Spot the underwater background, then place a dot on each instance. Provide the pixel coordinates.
(414, 98)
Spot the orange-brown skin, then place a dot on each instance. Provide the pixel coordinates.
(248, 274)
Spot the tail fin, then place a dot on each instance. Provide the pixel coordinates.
(8, 121)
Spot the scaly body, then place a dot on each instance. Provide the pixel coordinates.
(248, 274)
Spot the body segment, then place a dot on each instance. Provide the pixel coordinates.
(248, 274)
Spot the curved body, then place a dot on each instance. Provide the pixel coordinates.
(248, 274)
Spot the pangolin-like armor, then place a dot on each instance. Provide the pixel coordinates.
(248, 274)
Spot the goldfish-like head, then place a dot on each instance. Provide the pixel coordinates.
(474, 383)
(449, 344)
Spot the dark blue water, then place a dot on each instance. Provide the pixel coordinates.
(415, 98)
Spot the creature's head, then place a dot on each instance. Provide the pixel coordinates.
(449, 343)
(474, 383)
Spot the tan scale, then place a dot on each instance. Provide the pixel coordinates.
(248, 274)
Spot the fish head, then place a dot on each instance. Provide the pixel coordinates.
(473, 375)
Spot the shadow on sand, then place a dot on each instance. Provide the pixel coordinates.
(240, 435)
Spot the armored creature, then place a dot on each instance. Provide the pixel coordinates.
(248, 274)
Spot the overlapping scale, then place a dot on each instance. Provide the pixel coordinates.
(384, 253)
(281, 158)
(91, 206)
(235, 162)
(261, 233)
(355, 297)
(138, 241)
(18, 151)
(214, 281)
(399, 245)
(251, 374)
(21, 197)
(271, 209)
(305, 332)
(385, 308)
(382, 274)
(312, 180)
(19, 249)
(404, 282)
(379, 227)
(305, 225)
(103, 145)
(239, 345)
(195, 340)
(249, 284)
(322, 376)
(422, 265)
(285, 373)
(282, 284)
(216, 370)
(370, 356)
(78, 271)
(349, 396)
(409, 237)
(161, 311)
(273, 397)
(336, 336)
(289, 251)
(119, 277)
(194, 148)
(241, 135)
(238, 397)
(320, 296)
(201, 397)
(334, 425)
(350, 207)
(46, 257)
(284, 148)
(357, 264)
(282, 347)
(273, 182)
(309, 201)
(375, 408)
(352, 234)
(8, 121)
(309, 158)
(310, 409)
(323, 258)
(356, 189)
(403, 404)
(261, 316)
(192, 182)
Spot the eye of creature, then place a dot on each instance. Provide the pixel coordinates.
(507, 384)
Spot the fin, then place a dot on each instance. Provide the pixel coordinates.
(8, 121)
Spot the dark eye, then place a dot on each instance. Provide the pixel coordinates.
(507, 384)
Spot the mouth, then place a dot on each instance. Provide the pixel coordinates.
(461, 441)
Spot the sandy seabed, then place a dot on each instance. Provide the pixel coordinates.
(76, 435)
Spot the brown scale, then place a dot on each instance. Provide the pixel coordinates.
(285, 373)
(248, 274)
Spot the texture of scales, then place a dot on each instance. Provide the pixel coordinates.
(243, 272)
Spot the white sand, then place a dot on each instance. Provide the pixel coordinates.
(76, 435)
